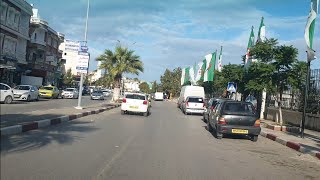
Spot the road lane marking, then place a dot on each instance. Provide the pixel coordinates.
(116, 156)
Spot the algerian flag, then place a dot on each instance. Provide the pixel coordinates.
(220, 61)
(192, 74)
(309, 31)
(200, 71)
(185, 75)
(262, 31)
(210, 66)
(250, 44)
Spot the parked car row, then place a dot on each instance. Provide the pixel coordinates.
(33, 93)
(222, 116)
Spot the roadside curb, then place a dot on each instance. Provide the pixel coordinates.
(292, 145)
(17, 129)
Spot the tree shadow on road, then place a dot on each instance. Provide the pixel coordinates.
(65, 133)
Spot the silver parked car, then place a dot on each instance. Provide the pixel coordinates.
(97, 95)
(71, 93)
(26, 93)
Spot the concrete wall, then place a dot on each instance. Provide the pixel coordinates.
(294, 118)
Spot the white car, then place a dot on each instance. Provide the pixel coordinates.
(6, 94)
(158, 96)
(26, 93)
(193, 105)
(136, 103)
(71, 93)
(106, 92)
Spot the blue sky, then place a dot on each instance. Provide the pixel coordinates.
(170, 34)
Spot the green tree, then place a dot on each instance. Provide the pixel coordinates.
(68, 78)
(297, 81)
(144, 87)
(121, 60)
(170, 81)
(154, 87)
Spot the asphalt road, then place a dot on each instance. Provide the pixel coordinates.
(165, 145)
(45, 104)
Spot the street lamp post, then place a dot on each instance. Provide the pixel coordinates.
(81, 77)
(305, 104)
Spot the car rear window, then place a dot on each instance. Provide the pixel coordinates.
(47, 88)
(195, 100)
(135, 96)
(22, 87)
(238, 108)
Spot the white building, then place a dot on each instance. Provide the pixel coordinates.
(75, 56)
(43, 53)
(15, 19)
(130, 85)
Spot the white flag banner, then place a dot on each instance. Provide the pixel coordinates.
(192, 74)
(183, 76)
(199, 71)
(208, 61)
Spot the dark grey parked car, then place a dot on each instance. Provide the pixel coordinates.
(210, 105)
(234, 117)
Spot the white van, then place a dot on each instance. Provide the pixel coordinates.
(188, 91)
(158, 96)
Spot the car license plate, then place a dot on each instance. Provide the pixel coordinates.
(239, 131)
(134, 107)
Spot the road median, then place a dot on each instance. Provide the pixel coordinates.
(33, 120)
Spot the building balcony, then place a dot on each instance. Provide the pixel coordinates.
(35, 20)
(39, 42)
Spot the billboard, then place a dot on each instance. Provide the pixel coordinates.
(72, 45)
(83, 62)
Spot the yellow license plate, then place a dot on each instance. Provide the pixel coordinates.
(239, 131)
(134, 107)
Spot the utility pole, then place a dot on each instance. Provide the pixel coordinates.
(85, 43)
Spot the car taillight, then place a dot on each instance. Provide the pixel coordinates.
(145, 102)
(221, 120)
(204, 105)
(212, 108)
(187, 104)
(257, 123)
(124, 100)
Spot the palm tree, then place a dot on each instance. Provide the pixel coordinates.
(122, 60)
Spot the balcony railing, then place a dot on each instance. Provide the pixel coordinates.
(35, 41)
(39, 21)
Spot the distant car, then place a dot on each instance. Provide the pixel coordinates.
(135, 102)
(85, 91)
(71, 93)
(234, 117)
(193, 105)
(106, 92)
(49, 92)
(209, 107)
(6, 94)
(26, 93)
(97, 95)
(188, 91)
(158, 96)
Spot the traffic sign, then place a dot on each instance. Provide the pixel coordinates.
(232, 87)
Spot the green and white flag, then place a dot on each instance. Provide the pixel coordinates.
(220, 61)
(210, 66)
(250, 44)
(262, 32)
(185, 75)
(192, 74)
(309, 30)
(200, 71)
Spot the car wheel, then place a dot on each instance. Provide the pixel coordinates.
(8, 100)
(209, 127)
(122, 112)
(145, 114)
(29, 98)
(254, 138)
(217, 134)
(37, 99)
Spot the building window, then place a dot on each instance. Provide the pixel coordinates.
(3, 11)
(35, 36)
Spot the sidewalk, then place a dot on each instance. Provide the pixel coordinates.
(308, 145)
